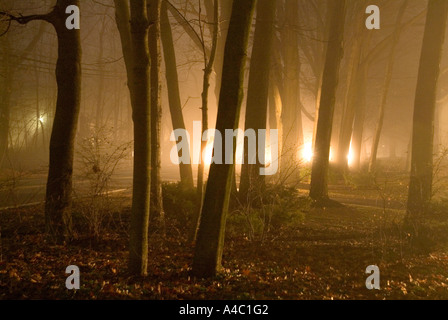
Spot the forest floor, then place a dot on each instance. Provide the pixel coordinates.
(307, 253)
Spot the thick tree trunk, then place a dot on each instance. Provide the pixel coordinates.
(387, 81)
(210, 239)
(141, 113)
(154, 7)
(420, 187)
(257, 95)
(68, 76)
(319, 173)
(186, 173)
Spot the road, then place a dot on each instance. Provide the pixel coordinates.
(29, 189)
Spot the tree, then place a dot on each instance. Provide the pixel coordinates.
(421, 178)
(319, 173)
(172, 80)
(291, 112)
(133, 25)
(141, 114)
(352, 94)
(58, 197)
(154, 10)
(360, 115)
(225, 8)
(10, 63)
(387, 82)
(209, 61)
(257, 93)
(210, 238)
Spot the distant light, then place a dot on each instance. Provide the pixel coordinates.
(41, 119)
(208, 153)
(307, 152)
(350, 158)
(267, 156)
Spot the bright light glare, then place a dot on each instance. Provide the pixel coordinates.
(350, 157)
(41, 119)
(307, 152)
(208, 153)
(267, 156)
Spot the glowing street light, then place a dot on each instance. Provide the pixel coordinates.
(307, 152)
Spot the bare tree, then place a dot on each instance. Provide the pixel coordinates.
(154, 10)
(68, 76)
(210, 238)
(420, 187)
(291, 113)
(172, 80)
(387, 82)
(319, 174)
(141, 114)
(10, 63)
(257, 94)
(133, 25)
(209, 60)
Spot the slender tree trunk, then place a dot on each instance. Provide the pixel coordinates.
(360, 115)
(154, 7)
(334, 55)
(100, 91)
(208, 68)
(186, 173)
(388, 80)
(210, 239)
(5, 101)
(141, 113)
(226, 10)
(291, 113)
(420, 187)
(348, 116)
(257, 95)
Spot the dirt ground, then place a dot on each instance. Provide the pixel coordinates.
(323, 254)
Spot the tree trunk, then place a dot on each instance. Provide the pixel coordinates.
(210, 239)
(5, 101)
(334, 55)
(208, 68)
(420, 187)
(226, 10)
(291, 113)
(154, 7)
(68, 76)
(141, 114)
(101, 80)
(348, 116)
(257, 95)
(58, 196)
(389, 74)
(360, 115)
(186, 173)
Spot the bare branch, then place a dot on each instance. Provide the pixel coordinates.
(25, 19)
